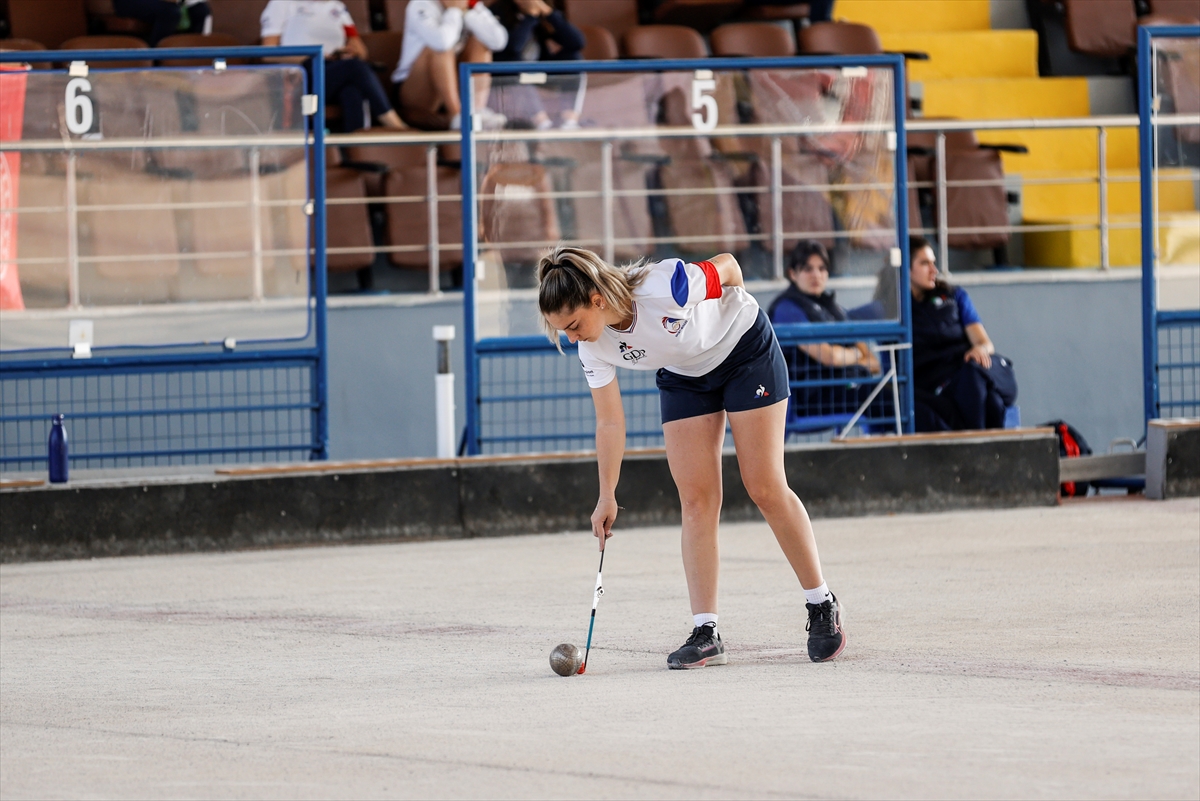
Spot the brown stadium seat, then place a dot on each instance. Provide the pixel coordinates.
(663, 41)
(50, 23)
(114, 234)
(968, 206)
(395, 10)
(238, 18)
(104, 17)
(795, 13)
(408, 222)
(348, 225)
(360, 12)
(199, 40)
(703, 15)
(760, 39)
(615, 16)
(383, 53)
(512, 212)
(621, 101)
(110, 43)
(21, 44)
(839, 38)
(702, 207)
(598, 43)
(43, 236)
(1184, 11)
(1103, 28)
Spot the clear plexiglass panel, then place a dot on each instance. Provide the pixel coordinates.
(682, 164)
(159, 203)
(1176, 125)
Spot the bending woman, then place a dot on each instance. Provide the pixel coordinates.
(958, 380)
(716, 359)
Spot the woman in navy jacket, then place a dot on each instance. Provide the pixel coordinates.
(959, 381)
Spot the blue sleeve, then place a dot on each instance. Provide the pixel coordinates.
(518, 37)
(679, 284)
(788, 312)
(966, 309)
(567, 35)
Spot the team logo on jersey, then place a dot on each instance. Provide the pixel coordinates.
(761, 392)
(632, 355)
(673, 325)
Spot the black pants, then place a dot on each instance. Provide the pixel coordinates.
(163, 17)
(974, 398)
(348, 83)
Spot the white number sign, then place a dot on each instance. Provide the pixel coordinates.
(708, 120)
(79, 106)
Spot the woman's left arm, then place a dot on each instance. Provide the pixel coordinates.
(355, 47)
(728, 269)
(981, 346)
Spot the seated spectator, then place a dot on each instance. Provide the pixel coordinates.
(959, 381)
(349, 80)
(165, 17)
(438, 34)
(806, 300)
(538, 32)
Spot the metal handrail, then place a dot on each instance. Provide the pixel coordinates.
(431, 141)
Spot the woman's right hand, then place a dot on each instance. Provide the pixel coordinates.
(603, 519)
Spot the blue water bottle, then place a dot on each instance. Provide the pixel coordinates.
(57, 451)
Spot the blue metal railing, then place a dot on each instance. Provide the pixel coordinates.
(131, 405)
(558, 408)
(1170, 339)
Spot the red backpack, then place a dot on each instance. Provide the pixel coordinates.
(1070, 445)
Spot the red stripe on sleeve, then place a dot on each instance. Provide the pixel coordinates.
(350, 30)
(712, 287)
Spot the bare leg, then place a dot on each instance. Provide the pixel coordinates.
(431, 86)
(758, 437)
(694, 455)
(477, 53)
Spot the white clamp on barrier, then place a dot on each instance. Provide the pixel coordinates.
(444, 334)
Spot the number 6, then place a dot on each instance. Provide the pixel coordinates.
(708, 120)
(79, 106)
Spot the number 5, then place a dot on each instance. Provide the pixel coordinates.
(79, 106)
(708, 120)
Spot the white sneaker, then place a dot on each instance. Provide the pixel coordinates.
(487, 120)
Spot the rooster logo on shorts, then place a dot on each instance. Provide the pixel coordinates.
(761, 392)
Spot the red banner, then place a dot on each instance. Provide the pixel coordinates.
(12, 101)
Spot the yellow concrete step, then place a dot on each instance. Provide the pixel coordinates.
(1006, 98)
(1178, 243)
(1176, 193)
(1081, 248)
(1065, 149)
(917, 15)
(967, 54)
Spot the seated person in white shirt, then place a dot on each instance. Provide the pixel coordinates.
(349, 81)
(438, 34)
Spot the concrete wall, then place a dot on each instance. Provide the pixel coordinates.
(1074, 336)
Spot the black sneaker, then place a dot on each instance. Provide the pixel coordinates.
(825, 636)
(704, 647)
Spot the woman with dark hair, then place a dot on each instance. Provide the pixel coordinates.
(807, 300)
(539, 32)
(959, 381)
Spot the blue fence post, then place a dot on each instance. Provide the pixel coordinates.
(471, 360)
(1146, 151)
(320, 236)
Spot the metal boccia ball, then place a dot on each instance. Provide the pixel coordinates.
(565, 659)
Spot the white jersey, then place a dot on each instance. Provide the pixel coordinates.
(308, 22)
(683, 320)
(427, 23)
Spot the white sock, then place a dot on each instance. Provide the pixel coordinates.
(705, 617)
(818, 596)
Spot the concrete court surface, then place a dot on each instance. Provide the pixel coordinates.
(1032, 653)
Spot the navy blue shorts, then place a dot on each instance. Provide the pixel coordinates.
(753, 375)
